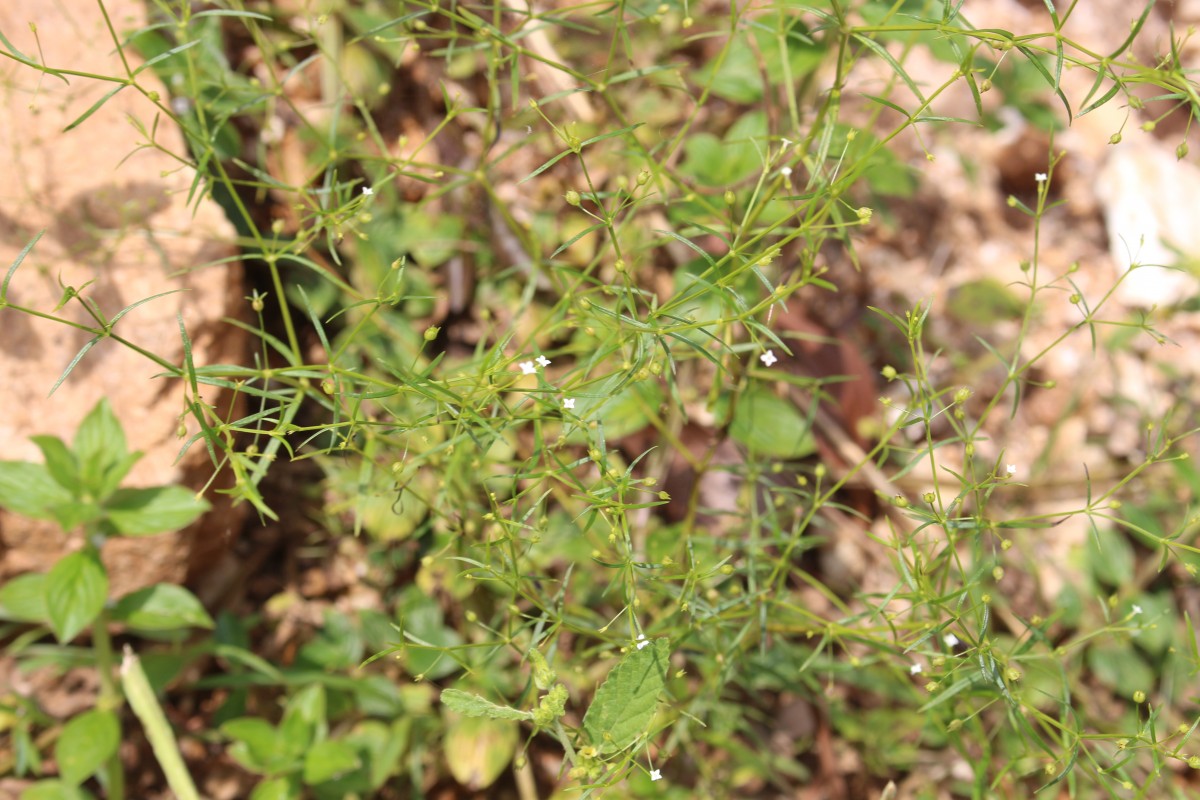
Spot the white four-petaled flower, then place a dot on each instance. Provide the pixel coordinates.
(655, 775)
(768, 358)
(543, 361)
(641, 641)
(786, 172)
(1136, 609)
(915, 669)
(568, 402)
(950, 639)
(1011, 470)
(527, 368)
(368, 191)
(1040, 177)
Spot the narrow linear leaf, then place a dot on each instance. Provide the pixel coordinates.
(83, 351)
(17, 261)
(164, 56)
(577, 237)
(1050, 79)
(882, 52)
(95, 107)
(1134, 30)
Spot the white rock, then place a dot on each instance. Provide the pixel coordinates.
(128, 229)
(1151, 205)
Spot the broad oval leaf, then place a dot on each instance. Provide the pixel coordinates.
(87, 741)
(478, 750)
(256, 742)
(277, 789)
(161, 607)
(770, 426)
(140, 512)
(28, 489)
(101, 450)
(625, 703)
(328, 760)
(76, 589)
(55, 790)
(23, 599)
(60, 461)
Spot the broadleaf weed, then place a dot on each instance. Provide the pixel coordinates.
(518, 282)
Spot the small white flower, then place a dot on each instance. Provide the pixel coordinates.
(655, 775)
(768, 358)
(1136, 609)
(950, 639)
(368, 191)
(1040, 177)
(786, 172)
(641, 641)
(915, 669)
(527, 368)
(543, 361)
(1011, 470)
(568, 402)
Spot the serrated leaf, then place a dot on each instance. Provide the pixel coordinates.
(76, 589)
(141, 512)
(328, 760)
(162, 607)
(472, 705)
(86, 742)
(625, 703)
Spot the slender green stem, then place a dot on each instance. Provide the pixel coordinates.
(110, 699)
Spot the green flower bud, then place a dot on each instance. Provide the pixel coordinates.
(543, 676)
